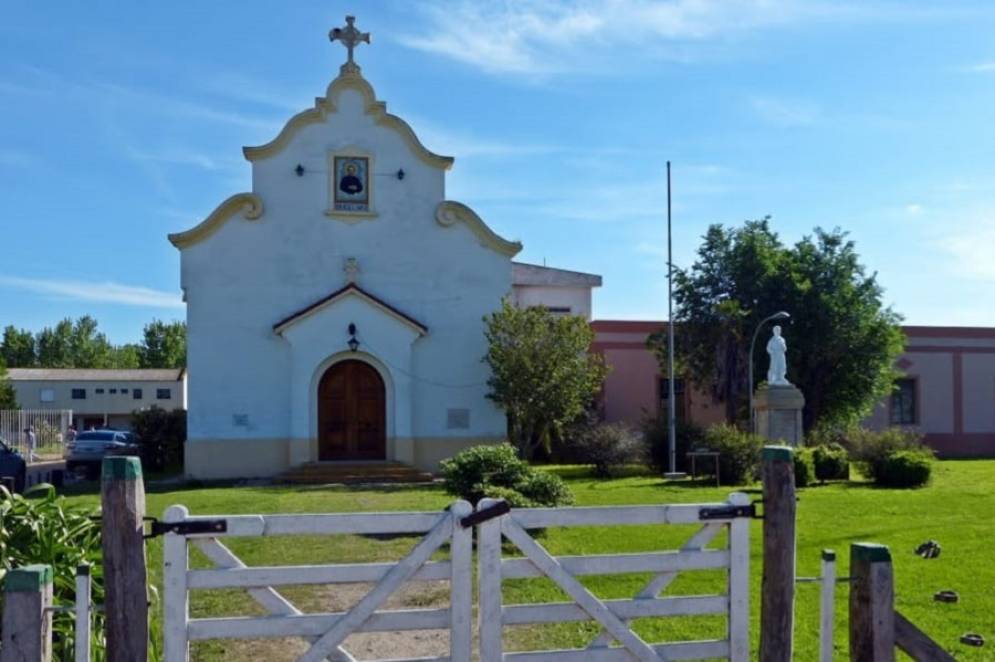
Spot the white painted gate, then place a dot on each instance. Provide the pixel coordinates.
(327, 631)
(613, 615)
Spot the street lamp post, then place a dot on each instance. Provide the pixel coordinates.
(780, 315)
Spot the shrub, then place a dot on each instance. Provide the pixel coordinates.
(606, 446)
(496, 471)
(804, 467)
(910, 468)
(831, 462)
(161, 435)
(739, 452)
(655, 441)
(870, 449)
(41, 527)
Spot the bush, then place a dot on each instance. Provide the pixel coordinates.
(870, 449)
(41, 527)
(606, 446)
(804, 467)
(655, 441)
(906, 469)
(739, 452)
(496, 471)
(161, 435)
(831, 462)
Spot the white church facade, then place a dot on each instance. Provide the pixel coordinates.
(335, 311)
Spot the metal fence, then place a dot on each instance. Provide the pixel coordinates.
(49, 426)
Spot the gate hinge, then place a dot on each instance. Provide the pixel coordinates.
(490, 512)
(192, 527)
(728, 512)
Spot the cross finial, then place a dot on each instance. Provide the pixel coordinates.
(351, 269)
(350, 38)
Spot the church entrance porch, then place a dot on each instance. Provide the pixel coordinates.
(351, 413)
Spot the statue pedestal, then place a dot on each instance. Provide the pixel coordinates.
(779, 413)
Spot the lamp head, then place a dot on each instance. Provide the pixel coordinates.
(781, 315)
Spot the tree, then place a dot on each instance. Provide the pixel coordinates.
(164, 345)
(88, 348)
(54, 345)
(18, 348)
(542, 373)
(127, 356)
(8, 398)
(842, 340)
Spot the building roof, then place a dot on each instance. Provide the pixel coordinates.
(95, 375)
(533, 274)
(355, 290)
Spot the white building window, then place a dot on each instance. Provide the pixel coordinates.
(47, 395)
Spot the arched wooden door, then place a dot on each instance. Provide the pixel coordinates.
(351, 413)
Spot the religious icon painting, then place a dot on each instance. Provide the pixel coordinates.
(352, 183)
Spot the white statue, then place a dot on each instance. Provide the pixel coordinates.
(776, 347)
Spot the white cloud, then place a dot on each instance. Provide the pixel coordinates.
(105, 292)
(534, 37)
(983, 67)
(969, 248)
(914, 209)
(785, 112)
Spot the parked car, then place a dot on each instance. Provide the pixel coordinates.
(84, 454)
(12, 465)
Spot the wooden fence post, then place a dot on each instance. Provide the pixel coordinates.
(27, 623)
(778, 589)
(126, 606)
(872, 604)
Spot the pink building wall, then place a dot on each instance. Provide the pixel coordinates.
(632, 389)
(953, 369)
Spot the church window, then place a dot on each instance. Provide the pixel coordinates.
(903, 402)
(163, 393)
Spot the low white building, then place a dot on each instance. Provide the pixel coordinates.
(99, 398)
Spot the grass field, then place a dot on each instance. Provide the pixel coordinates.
(957, 509)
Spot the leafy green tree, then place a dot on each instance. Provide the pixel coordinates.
(55, 345)
(842, 340)
(127, 356)
(542, 373)
(164, 345)
(74, 345)
(18, 348)
(8, 399)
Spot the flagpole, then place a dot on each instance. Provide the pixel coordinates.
(671, 404)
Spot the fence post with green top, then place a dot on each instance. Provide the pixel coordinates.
(122, 497)
(27, 620)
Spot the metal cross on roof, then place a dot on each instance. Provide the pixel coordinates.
(350, 38)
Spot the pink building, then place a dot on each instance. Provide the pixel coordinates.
(947, 391)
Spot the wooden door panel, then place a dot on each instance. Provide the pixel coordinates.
(351, 413)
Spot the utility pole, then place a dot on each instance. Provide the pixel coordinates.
(671, 405)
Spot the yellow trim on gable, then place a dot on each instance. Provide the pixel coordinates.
(362, 296)
(449, 212)
(249, 204)
(348, 80)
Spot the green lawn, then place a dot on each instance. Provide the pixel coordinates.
(957, 509)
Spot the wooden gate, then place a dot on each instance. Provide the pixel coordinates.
(613, 615)
(326, 632)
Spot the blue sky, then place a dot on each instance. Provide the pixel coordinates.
(122, 122)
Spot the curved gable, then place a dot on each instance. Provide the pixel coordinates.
(348, 79)
(249, 204)
(450, 212)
